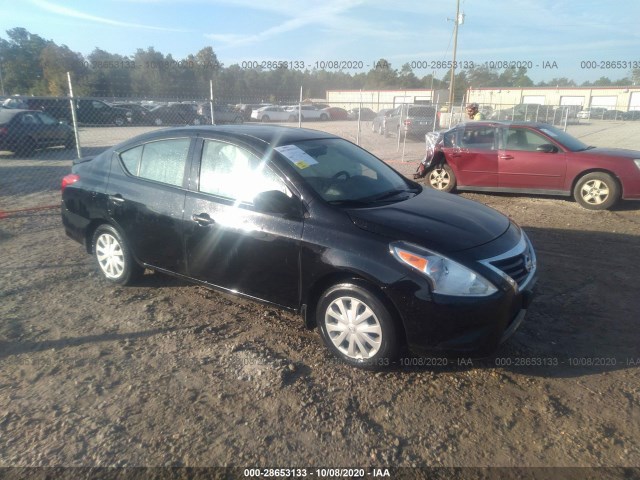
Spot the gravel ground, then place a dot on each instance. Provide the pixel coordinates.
(166, 373)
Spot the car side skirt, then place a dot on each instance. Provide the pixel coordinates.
(220, 289)
(535, 191)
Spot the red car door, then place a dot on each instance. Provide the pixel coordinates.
(528, 159)
(471, 151)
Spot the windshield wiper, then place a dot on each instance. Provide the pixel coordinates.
(392, 193)
(349, 202)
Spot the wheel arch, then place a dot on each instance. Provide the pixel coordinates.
(322, 284)
(581, 174)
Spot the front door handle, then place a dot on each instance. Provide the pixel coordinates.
(117, 198)
(506, 157)
(203, 219)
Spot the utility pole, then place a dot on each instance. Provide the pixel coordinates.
(1, 81)
(457, 21)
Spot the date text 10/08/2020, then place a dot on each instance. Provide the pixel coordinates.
(384, 65)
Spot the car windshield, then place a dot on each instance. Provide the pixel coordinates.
(569, 142)
(344, 174)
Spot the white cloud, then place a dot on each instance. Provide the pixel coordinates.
(69, 12)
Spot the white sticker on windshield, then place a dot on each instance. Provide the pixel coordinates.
(548, 132)
(297, 156)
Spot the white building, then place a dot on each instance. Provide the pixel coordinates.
(379, 99)
(611, 98)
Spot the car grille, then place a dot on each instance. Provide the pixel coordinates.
(518, 267)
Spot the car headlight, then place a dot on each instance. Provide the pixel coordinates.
(447, 276)
(637, 162)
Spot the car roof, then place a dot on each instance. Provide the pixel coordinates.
(497, 123)
(258, 136)
(6, 114)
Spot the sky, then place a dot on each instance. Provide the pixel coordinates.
(579, 39)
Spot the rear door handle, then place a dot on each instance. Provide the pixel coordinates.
(117, 198)
(506, 157)
(203, 219)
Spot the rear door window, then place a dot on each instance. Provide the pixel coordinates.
(162, 161)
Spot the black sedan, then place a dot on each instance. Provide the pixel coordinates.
(308, 222)
(177, 114)
(23, 131)
(365, 114)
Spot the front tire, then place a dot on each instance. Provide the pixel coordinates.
(113, 256)
(357, 327)
(596, 191)
(442, 178)
(158, 122)
(324, 117)
(119, 121)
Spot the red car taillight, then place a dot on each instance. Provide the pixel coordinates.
(3, 131)
(69, 180)
(407, 122)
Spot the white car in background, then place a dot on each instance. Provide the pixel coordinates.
(273, 113)
(309, 112)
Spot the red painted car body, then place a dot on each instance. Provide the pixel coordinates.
(527, 157)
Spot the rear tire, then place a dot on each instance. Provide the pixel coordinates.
(27, 148)
(265, 119)
(70, 142)
(113, 256)
(324, 117)
(119, 121)
(596, 191)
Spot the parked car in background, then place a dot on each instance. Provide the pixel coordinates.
(336, 113)
(247, 109)
(23, 131)
(176, 114)
(612, 115)
(272, 113)
(309, 112)
(410, 120)
(221, 114)
(631, 115)
(311, 223)
(88, 111)
(593, 112)
(139, 114)
(365, 114)
(528, 157)
(529, 112)
(378, 123)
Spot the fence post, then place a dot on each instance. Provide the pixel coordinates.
(213, 118)
(74, 119)
(359, 115)
(300, 109)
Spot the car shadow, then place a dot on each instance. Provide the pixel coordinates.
(583, 319)
(622, 205)
(11, 348)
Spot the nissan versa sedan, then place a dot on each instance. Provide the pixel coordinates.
(311, 223)
(527, 157)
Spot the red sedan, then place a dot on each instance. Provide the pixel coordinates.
(336, 113)
(526, 157)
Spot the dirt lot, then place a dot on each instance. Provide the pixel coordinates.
(167, 373)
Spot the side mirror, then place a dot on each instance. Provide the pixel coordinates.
(547, 148)
(275, 201)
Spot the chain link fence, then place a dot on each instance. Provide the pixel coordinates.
(40, 136)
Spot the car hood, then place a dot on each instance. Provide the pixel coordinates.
(612, 152)
(440, 221)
